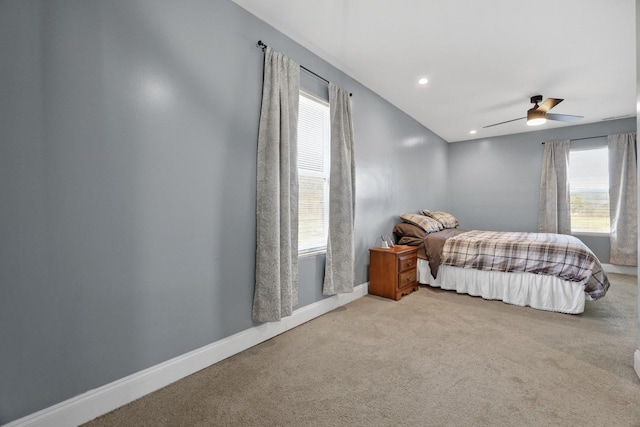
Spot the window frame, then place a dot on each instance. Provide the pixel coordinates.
(587, 146)
(325, 175)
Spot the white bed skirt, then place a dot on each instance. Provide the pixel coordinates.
(524, 289)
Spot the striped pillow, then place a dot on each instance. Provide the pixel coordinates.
(446, 219)
(429, 225)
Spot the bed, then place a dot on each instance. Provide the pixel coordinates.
(553, 272)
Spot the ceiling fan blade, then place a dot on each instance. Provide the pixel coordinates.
(564, 117)
(549, 103)
(501, 123)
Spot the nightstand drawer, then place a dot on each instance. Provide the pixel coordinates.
(407, 262)
(407, 278)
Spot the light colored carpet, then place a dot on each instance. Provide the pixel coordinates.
(435, 358)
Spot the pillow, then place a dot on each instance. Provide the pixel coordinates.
(446, 219)
(405, 229)
(429, 225)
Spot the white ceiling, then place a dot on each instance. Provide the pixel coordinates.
(484, 59)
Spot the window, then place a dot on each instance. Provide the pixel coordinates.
(589, 183)
(313, 174)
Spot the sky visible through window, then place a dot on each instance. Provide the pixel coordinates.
(589, 170)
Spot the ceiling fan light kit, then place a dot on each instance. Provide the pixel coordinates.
(536, 117)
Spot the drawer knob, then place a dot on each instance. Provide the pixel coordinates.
(410, 262)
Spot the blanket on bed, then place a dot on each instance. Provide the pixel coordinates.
(432, 244)
(558, 255)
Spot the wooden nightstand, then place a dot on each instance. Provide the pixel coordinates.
(393, 271)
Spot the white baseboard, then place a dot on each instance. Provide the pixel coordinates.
(621, 269)
(94, 403)
(636, 362)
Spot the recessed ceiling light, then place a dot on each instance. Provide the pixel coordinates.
(472, 131)
(423, 81)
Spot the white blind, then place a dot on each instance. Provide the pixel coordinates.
(313, 174)
(589, 184)
(311, 135)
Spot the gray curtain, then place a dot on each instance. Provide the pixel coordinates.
(276, 291)
(339, 268)
(554, 215)
(623, 198)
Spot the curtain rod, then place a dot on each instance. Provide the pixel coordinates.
(263, 46)
(586, 137)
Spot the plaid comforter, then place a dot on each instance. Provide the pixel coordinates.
(557, 255)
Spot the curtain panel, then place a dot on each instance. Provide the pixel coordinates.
(276, 290)
(339, 268)
(554, 215)
(623, 198)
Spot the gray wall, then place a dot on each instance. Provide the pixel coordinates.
(128, 137)
(494, 183)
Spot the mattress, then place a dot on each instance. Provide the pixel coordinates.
(538, 291)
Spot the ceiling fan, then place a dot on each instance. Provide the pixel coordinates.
(539, 114)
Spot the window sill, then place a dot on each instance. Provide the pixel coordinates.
(590, 234)
(312, 253)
